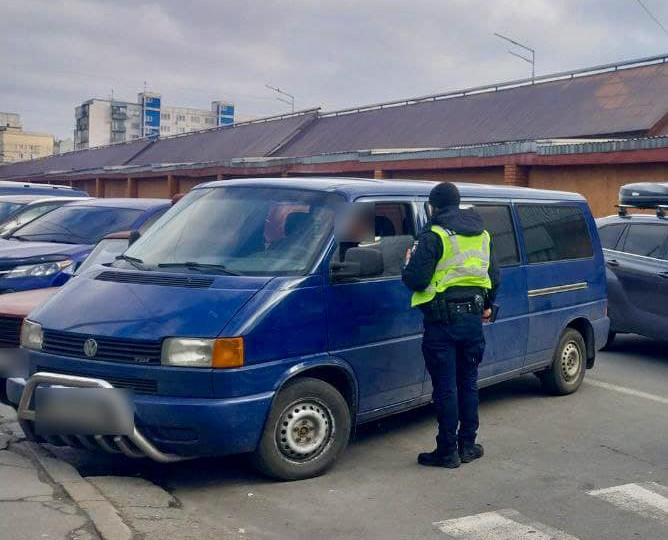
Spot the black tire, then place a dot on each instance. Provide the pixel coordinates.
(569, 364)
(307, 429)
(611, 338)
(3, 391)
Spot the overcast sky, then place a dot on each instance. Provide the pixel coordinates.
(54, 54)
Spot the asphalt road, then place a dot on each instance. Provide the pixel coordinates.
(593, 465)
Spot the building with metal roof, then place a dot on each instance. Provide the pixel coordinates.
(587, 130)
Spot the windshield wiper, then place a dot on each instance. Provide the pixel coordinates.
(134, 261)
(201, 267)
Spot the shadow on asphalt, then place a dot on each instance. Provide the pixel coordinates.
(639, 346)
(237, 469)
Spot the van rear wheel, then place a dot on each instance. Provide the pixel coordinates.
(307, 429)
(568, 367)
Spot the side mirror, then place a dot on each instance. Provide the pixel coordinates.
(134, 236)
(359, 263)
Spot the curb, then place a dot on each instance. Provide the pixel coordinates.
(104, 516)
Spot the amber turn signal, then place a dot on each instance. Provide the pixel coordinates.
(228, 353)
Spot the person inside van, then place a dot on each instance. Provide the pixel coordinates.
(454, 279)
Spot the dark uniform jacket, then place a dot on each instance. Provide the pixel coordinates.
(428, 250)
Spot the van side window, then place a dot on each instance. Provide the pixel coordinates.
(610, 234)
(646, 240)
(498, 222)
(554, 232)
(394, 234)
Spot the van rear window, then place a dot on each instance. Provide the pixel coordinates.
(554, 232)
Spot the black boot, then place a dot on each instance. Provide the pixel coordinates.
(449, 460)
(469, 452)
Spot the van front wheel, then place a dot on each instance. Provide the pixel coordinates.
(568, 367)
(308, 427)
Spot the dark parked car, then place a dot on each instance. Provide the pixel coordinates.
(635, 247)
(18, 210)
(46, 251)
(10, 187)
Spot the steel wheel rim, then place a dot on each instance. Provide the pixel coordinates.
(304, 429)
(571, 361)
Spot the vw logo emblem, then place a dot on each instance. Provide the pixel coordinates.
(90, 347)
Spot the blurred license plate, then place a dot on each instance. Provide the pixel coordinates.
(82, 411)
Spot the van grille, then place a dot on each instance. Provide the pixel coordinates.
(10, 331)
(191, 282)
(140, 386)
(108, 349)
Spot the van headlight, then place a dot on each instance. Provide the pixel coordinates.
(32, 335)
(208, 353)
(39, 270)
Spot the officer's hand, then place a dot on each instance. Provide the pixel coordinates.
(486, 315)
(408, 255)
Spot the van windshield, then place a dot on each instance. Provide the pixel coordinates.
(239, 230)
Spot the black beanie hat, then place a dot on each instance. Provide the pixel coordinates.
(443, 195)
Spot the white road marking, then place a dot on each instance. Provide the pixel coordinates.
(645, 499)
(502, 525)
(626, 390)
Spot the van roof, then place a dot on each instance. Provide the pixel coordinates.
(352, 188)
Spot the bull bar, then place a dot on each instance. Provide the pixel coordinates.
(135, 445)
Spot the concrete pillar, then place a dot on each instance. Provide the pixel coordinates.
(99, 187)
(380, 174)
(172, 185)
(131, 188)
(516, 175)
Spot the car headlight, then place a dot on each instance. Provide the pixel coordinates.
(196, 352)
(39, 270)
(32, 335)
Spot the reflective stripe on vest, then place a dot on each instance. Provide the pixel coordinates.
(464, 263)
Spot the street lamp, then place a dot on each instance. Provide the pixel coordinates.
(291, 99)
(531, 60)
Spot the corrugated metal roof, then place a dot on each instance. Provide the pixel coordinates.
(245, 140)
(116, 154)
(625, 101)
(618, 102)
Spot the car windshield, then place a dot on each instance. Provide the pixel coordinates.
(78, 224)
(8, 208)
(25, 215)
(239, 230)
(105, 252)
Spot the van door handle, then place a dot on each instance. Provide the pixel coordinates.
(612, 262)
(664, 275)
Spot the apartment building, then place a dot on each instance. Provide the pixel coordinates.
(19, 145)
(100, 122)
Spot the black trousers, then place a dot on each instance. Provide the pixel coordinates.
(452, 353)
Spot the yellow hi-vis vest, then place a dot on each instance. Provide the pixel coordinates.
(465, 263)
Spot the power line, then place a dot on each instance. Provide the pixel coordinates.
(651, 16)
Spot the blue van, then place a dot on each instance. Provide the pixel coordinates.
(46, 251)
(241, 324)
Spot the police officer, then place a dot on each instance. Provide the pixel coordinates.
(454, 279)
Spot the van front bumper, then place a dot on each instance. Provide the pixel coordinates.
(166, 429)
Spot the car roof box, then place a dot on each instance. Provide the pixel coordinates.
(644, 195)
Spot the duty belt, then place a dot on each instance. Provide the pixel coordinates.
(448, 311)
